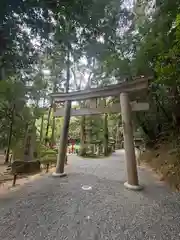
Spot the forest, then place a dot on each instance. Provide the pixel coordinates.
(51, 46)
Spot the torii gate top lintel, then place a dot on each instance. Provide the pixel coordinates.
(107, 91)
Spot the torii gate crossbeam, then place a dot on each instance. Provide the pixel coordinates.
(112, 90)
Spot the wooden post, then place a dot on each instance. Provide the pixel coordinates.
(14, 180)
(132, 175)
(47, 167)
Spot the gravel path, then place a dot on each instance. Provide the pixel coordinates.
(50, 208)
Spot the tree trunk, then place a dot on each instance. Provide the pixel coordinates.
(41, 130)
(30, 140)
(176, 106)
(25, 140)
(53, 132)
(118, 135)
(48, 123)
(106, 135)
(64, 135)
(82, 137)
(54, 119)
(10, 135)
(89, 132)
(2, 74)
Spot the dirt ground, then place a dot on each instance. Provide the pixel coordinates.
(53, 208)
(6, 186)
(6, 179)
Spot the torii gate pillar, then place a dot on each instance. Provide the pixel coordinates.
(63, 143)
(132, 175)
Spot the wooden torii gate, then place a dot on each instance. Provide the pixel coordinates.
(125, 107)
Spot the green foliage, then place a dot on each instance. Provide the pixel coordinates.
(106, 43)
(150, 47)
(167, 65)
(48, 156)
